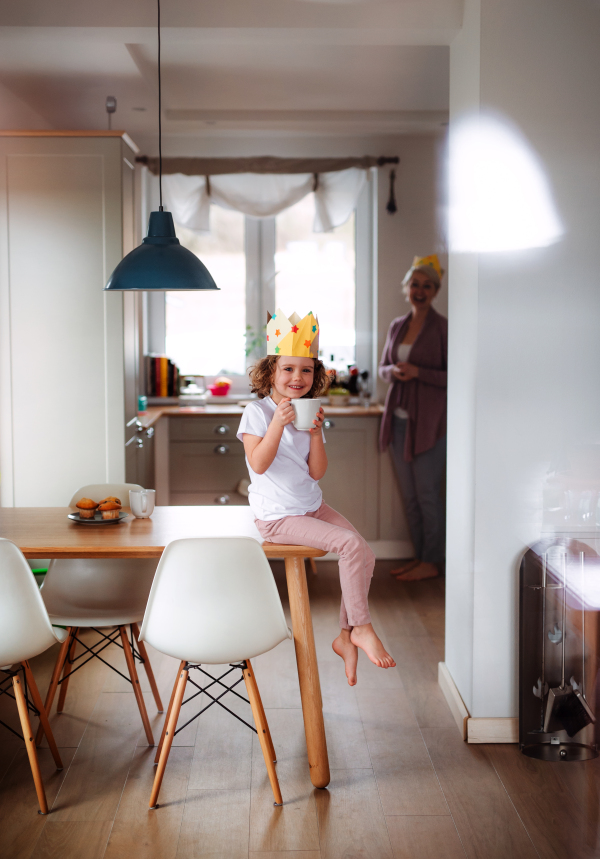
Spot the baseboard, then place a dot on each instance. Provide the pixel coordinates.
(453, 699)
(475, 730)
(385, 550)
(493, 730)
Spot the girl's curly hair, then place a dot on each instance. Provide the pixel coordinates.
(263, 372)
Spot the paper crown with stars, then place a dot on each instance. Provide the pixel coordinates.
(293, 337)
(432, 261)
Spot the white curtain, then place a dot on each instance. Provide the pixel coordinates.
(263, 195)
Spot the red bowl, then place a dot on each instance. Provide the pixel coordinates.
(220, 391)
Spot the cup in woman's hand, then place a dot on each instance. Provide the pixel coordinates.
(306, 412)
(141, 502)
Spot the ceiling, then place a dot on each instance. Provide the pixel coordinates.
(233, 68)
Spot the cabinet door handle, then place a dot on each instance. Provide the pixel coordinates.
(222, 429)
(150, 432)
(222, 449)
(222, 499)
(329, 424)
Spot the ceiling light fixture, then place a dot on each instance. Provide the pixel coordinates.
(160, 263)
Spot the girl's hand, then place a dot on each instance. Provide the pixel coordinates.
(284, 413)
(407, 371)
(318, 421)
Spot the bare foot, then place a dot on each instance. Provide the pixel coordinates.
(364, 636)
(424, 570)
(349, 653)
(405, 566)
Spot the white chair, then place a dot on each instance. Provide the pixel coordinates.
(91, 593)
(214, 601)
(25, 631)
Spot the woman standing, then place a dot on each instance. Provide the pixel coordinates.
(414, 362)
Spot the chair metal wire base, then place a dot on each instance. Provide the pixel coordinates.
(111, 638)
(241, 666)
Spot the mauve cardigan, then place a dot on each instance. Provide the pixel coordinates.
(423, 398)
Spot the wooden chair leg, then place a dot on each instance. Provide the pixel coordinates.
(60, 659)
(313, 566)
(266, 731)
(263, 730)
(136, 685)
(175, 708)
(164, 730)
(149, 672)
(66, 674)
(30, 744)
(37, 700)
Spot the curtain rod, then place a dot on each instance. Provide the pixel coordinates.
(261, 164)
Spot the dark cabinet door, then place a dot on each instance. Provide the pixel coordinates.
(139, 454)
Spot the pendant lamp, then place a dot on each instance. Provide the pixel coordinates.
(160, 262)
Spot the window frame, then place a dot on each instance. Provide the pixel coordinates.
(259, 246)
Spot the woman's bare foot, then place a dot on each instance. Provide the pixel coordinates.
(424, 570)
(349, 653)
(405, 566)
(364, 636)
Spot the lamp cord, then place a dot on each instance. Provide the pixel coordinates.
(160, 208)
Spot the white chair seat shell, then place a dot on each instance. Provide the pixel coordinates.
(97, 593)
(25, 630)
(213, 601)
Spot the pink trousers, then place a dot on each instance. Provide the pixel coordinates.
(325, 529)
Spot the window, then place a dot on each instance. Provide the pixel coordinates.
(205, 330)
(262, 264)
(317, 271)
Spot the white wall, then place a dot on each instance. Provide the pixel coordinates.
(61, 337)
(15, 113)
(524, 345)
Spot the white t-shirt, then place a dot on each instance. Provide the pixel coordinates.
(402, 356)
(286, 488)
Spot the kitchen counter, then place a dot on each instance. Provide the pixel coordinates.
(154, 413)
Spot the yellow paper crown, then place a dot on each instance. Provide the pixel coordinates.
(432, 261)
(293, 337)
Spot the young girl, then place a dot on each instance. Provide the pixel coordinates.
(285, 465)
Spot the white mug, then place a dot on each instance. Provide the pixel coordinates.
(306, 412)
(141, 502)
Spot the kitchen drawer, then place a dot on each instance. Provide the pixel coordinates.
(193, 429)
(208, 499)
(198, 466)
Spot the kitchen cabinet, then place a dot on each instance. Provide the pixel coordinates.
(139, 454)
(66, 220)
(198, 460)
(206, 460)
(351, 483)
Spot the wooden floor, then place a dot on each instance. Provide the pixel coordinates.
(403, 782)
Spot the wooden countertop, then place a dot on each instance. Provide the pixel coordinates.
(154, 413)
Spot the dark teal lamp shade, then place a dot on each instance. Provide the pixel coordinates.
(160, 262)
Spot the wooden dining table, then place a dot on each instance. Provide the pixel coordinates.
(47, 532)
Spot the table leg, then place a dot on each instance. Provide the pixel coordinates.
(308, 671)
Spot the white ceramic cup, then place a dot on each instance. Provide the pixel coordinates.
(141, 502)
(306, 412)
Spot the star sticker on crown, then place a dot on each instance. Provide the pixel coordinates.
(293, 337)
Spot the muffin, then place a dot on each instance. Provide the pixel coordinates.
(109, 510)
(87, 508)
(110, 498)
